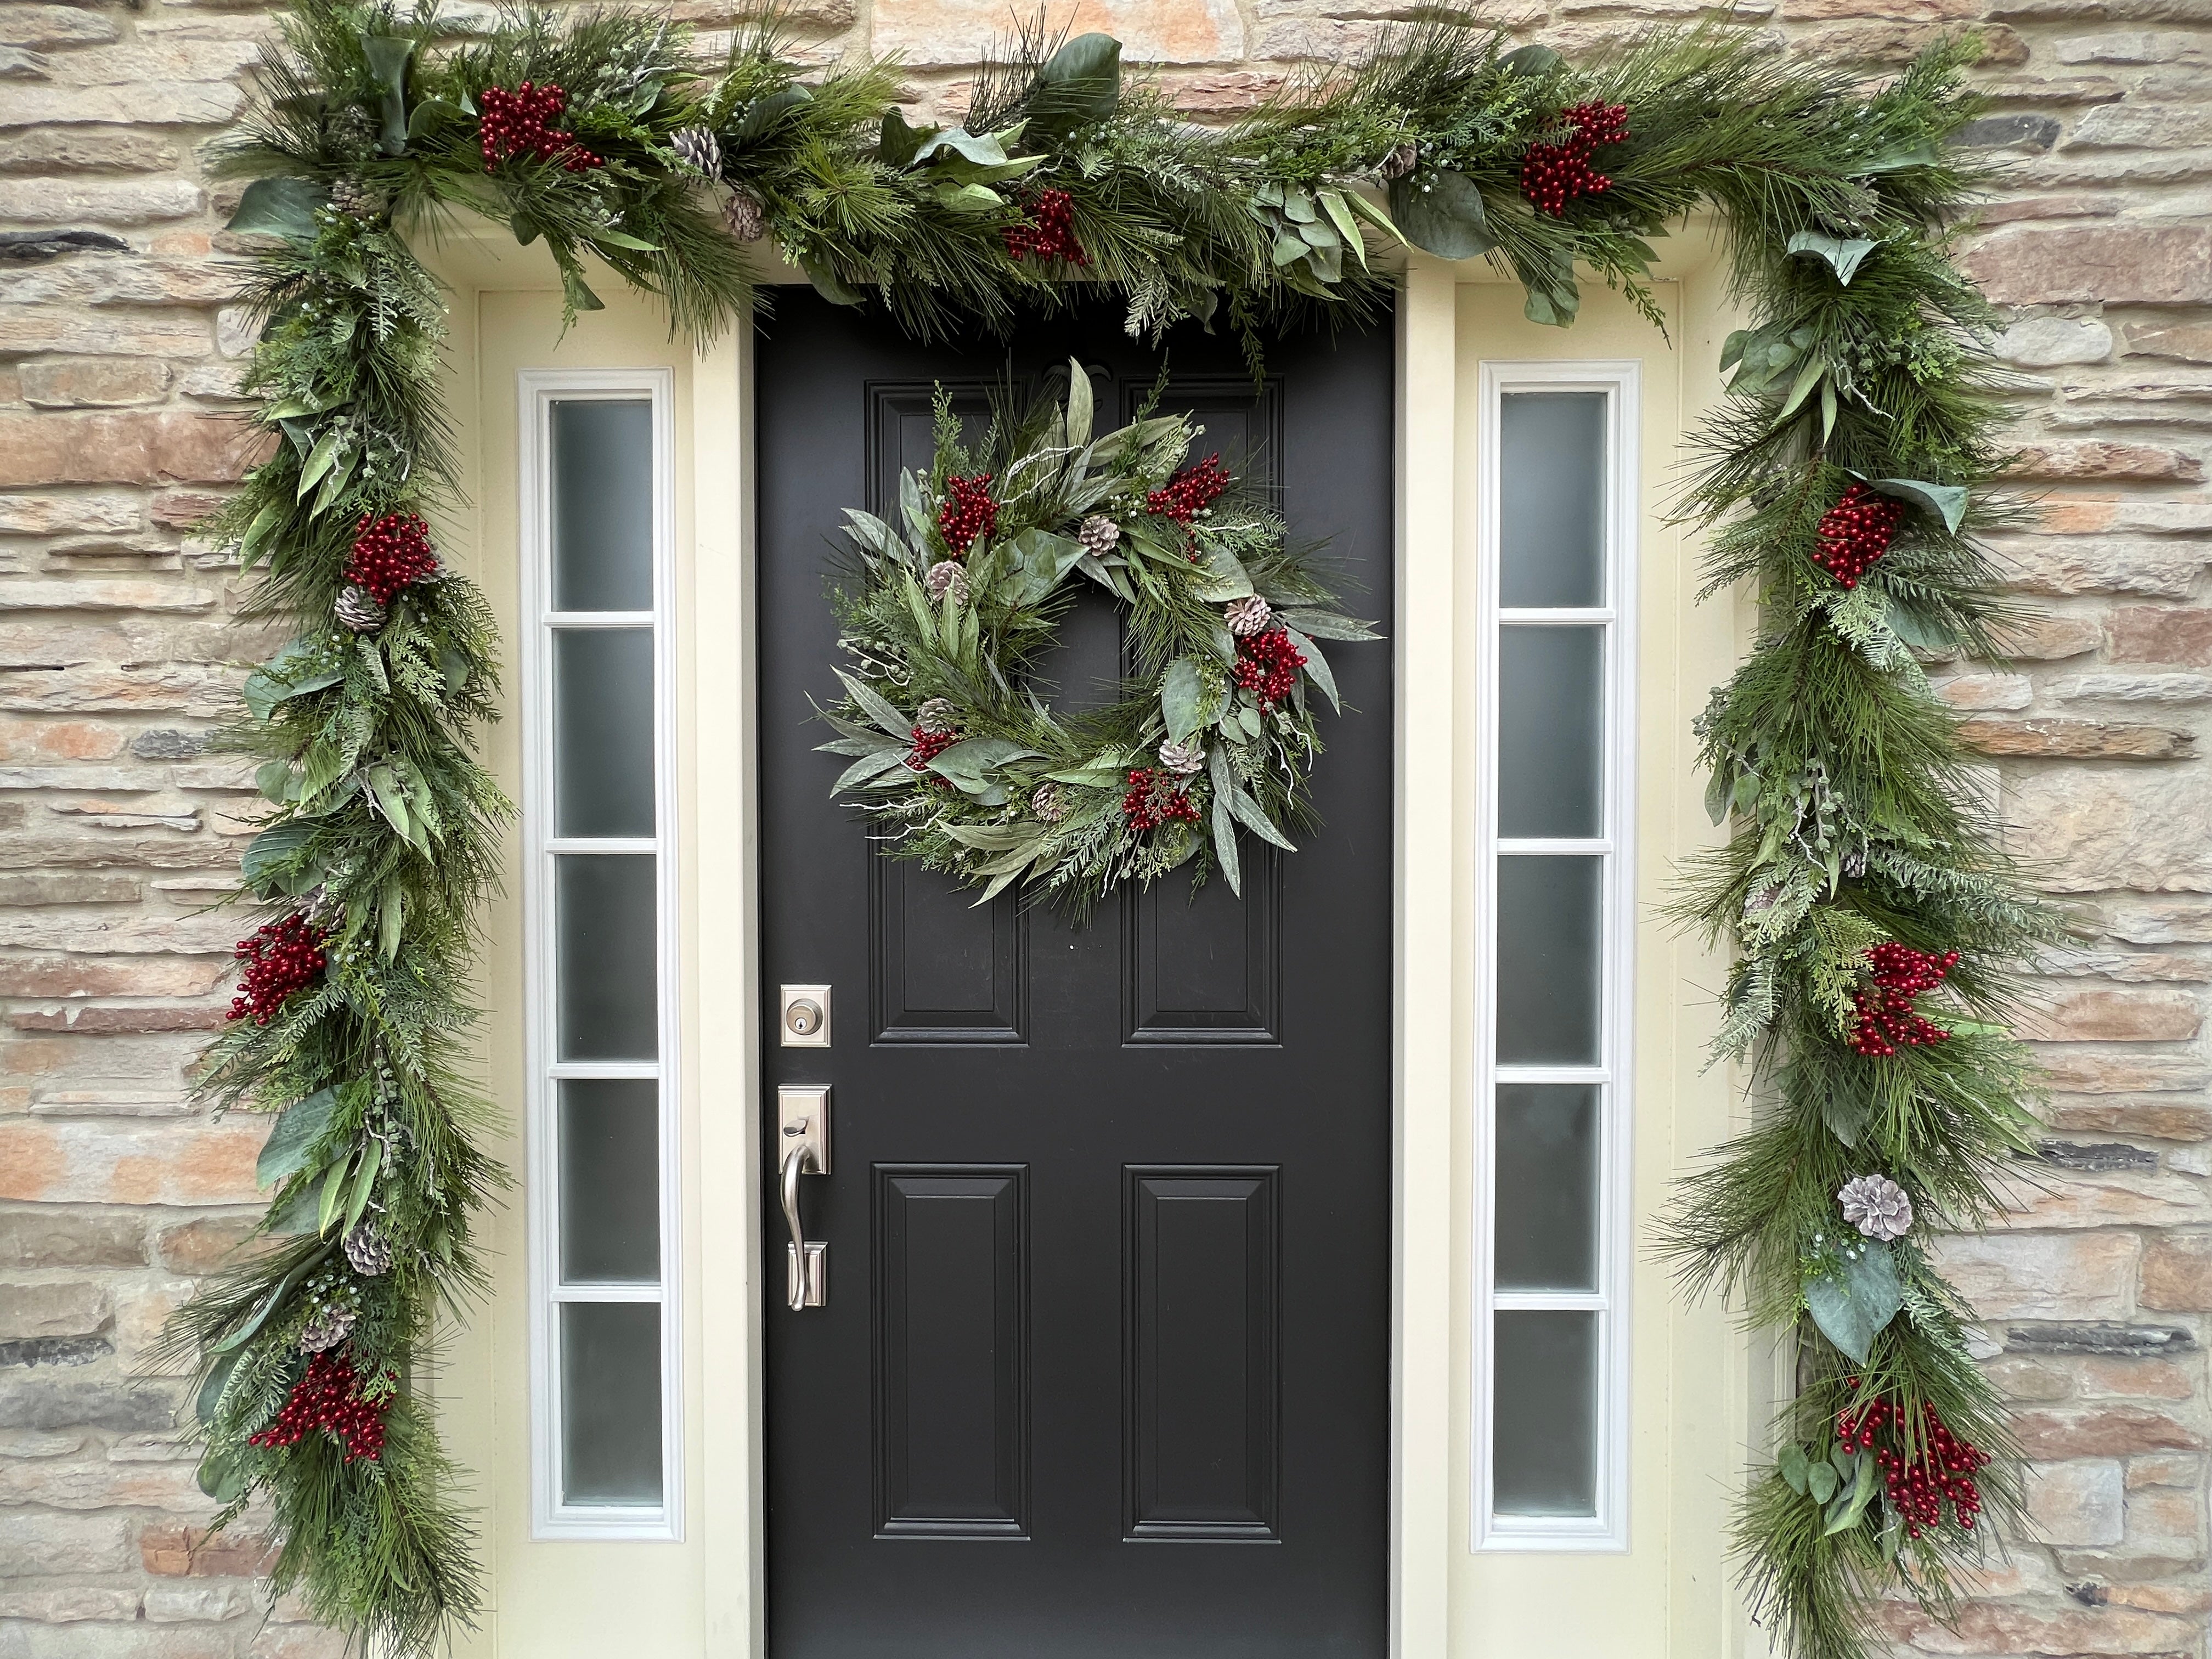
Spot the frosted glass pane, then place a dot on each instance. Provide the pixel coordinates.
(603, 729)
(1551, 731)
(1546, 1207)
(1543, 1419)
(603, 505)
(1550, 948)
(1552, 498)
(609, 1180)
(607, 963)
(610, 1403)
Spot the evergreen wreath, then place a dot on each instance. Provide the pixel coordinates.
(1844, 480)
(961, 763)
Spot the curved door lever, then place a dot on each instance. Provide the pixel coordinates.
(803, 1117)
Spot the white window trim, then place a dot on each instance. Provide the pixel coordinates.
(1606, 1531)
(537, 390)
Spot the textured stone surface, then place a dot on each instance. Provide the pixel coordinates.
(117, 654)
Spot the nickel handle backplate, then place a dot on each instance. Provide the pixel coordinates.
(803, 1117)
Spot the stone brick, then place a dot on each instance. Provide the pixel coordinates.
(145, 449)
(2114, 1200)
(191, 1163)
(2177, 1273)
(98, 201)
(2040, 1275)
(1993, 1627)
(2163, 633)
(205, 1245)
(2100, 1339)
(68, 888)
(2164, 1469)
(54, 25)
(82, 150)
(2190, 342)
(2073, 1503)
(2050, 636)
(69, 1605)
(2115, 265)
(36, 1545)
(156, 104)
(104, 1485)
(2091, 832)
(2141, 126)
(51, 1238)
(93, 382)
(171, 1604)
(55, 515)
(1986, 692)
(22, 740)
(2134, 688)
(2090, 459)
(47, 976)
(2069, 739)
(103, 593)
(133, 1641)
(108, 1022)
(296, 1642)
(2060, 565)
(2136, 1379)
(2102, 1432)
(959, 32)
(2113, 1017)
(74, 1307)
(191, 1551)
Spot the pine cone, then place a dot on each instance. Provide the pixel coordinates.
(700, 148)
(358, 610)
(1049, 802)
(369, 1251)
(743, 215)
(1877, 1207)
(352, 133)
(1249, 615)
(1400, 161)
(937, 715)
(350, 197)
(1182, 758)
(326, 1330)
(1099, 535)
(947, 577)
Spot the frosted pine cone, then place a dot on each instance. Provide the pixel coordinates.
(1400, 161)
(350, 197)
(743, 215)
(947, 577)
(326, 1330)
(699, 149)
(1182, 758)
(1099, 534)
(369, 1251)
(1049, 802)
(937, 715)
(1249, 615)
(1877, 1207)
(358, 610)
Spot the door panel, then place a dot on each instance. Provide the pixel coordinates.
(1104, 1365)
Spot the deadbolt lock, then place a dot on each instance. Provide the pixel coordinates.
(805, 1017)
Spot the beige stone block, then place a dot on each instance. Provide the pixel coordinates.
(69, 1604)
(93, 382)
(69, 1307)
(178, 1552)
(2062, 1628)
(2040, 1275)
(93, 976)
(2165, 1469)
(2114, 1200)
(2141, 126)
(2063, 739)
(132, 1641)
(194, 1162)
(51, 1236)
(101, 593)
(2047, 342)
(98, 201)
(2050, 636)
(103, 1486)
(1986, 692)
(296, 1642)
(156, 448)
(927, 33)
(190, 1602)
(2144, 265)
(2091, 832)
(2176, 689)
(206, 1244)
(2081, 1503)
(81, 149)
(62, 515)
(154, 104)
(2163, 633)
(2102, 1016)
(2103, 1431)
(54, 25)
(33, 1544)
(2177, 1273)
(42, 328)
(2095, 459)
(2061, 565)
(2160, 921)
(2190, 342)
(2135, 1379)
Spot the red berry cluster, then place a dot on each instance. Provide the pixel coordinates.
(329, 1397)
(1046, 229)
(283, 956)
(1552, 175)
(521, 123)
(1155, 797)
(1190, 492)
(390, 553)
(1267, 665)
(969, 513)
(1855, 531)
(927, 747)
(1917, 1489)
(1888, 1020)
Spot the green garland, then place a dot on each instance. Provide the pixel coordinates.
(1846, 474)
(977, 777)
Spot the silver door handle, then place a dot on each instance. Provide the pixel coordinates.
(804, 1115)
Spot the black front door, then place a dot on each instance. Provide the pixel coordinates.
(1105, 1363)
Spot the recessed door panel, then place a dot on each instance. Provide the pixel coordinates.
(944, 969)
(1206, 966)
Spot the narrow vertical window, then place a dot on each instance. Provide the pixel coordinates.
(1555, 919)
(597, 810)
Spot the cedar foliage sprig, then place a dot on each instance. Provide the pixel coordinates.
(1851, 800)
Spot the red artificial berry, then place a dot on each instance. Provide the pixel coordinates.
(1046, 229)
(969, 513)
(521, 123)
(928, 746)
(329, 1397)
(390, 553)
(1267, 665)
(283, 956)
(1855, 532)
(1155, 797)
(1887, 1019)
(1552, 175)
(1190, 492)
(1919, 1478)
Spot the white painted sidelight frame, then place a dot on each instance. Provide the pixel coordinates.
(1607, 1529)
(537, 391)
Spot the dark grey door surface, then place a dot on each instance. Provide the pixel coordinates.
(1104, 1364)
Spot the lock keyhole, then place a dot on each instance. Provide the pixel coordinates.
(805, 1010)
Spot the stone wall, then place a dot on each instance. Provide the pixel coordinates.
(117, 646)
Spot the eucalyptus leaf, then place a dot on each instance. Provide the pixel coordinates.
(209, 1400)
(899, 144)
(1080, 404)
(1947, 502)
(1246, 812)
(1821, 1481)
(391, 918)
(333, 1198)
(1794, 1467)
(1183, 699)
(1842, 254)
(271, 847)
(868, 767)
(970, 759)
(876, 708)
(1225, 843)
(243, 1333)
(1446, 219)
(364, 1184)
(1851, 1306)
(293, 1137)
(1317, 669)
(220, 1478)
(1852, 1502)
(1530, 62)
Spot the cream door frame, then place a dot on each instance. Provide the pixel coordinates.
(554, 1597)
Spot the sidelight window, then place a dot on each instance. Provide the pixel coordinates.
(1555, 912)
(598, 814)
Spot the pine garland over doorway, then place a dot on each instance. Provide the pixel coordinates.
(1844, 478)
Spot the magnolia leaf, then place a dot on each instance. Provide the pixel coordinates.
(1530, 62)
(1182, 698)
(296, 1214)
(1317, 668)
(982, 149)
(1915, 627)
(388, 56)
(1828, 410)
(967, 198)
(1732, 348)
(279, 207)
(1844, 1116)
(272, 847)
(220, 1478)
(1851, 1306)
(967, 761)
(1077, 85)
(1446, 219)
(1842, 254)
(1821, 1481)
(319, 461)
(868, 767)
(899, 144)
(253, 1322)
(1719, 787)
(264, 691)
(763, 113)
(1947, 502)
(872, 705)
(298, 1127)
(1808, 377)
